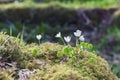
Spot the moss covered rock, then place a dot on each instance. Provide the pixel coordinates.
(88, 66)
(58, 72)
(4, 75)
(9, 47)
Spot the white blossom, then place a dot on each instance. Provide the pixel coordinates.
(67, 39)
(39, 36)
(58, 35)
(77, 33)
(81, 38)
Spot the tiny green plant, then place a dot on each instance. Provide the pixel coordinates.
(87, 46)
(58, 35)
(59, 54)
(34, 51)
(68, 51)
(92, 59)
(81, 46)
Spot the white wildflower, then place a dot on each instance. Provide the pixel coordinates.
(81, 38)
(67, 39)
(39, 36)
(77, 33)
(58, 35)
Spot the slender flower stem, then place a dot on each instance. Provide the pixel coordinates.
(39, 38)
(68, 43)
(77, 41)
(63, 41)
(39, 42)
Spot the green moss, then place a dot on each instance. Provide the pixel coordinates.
(88, 66)
(45, 54)
(58, 72)
(65, 72)
(10, 48)
(97, 69)
(4, 75)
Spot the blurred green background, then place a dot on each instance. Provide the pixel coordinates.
(98, 19)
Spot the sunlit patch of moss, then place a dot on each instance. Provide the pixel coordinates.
(5, 75)
(10, 48)
(49, 50)
(4, 37)
(34, 64)
(58, 72)
(98, 69)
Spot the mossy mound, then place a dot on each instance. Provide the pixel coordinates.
(88, 66)
(10, 47)
(58, 72)
(5, 75)
(92, 67)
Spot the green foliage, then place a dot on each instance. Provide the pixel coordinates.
(87, 46)
(114, 32)
(34, 51)
(92, 59)
(86, 66)
(21, 37)
(71, 52)
(59, 54)
(68, 50)
(11, 31)
(73, 58)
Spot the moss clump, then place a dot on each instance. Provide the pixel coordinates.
(10, 48)
(88, 66)
(58, 72)
(93, 67)
(5, 75)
